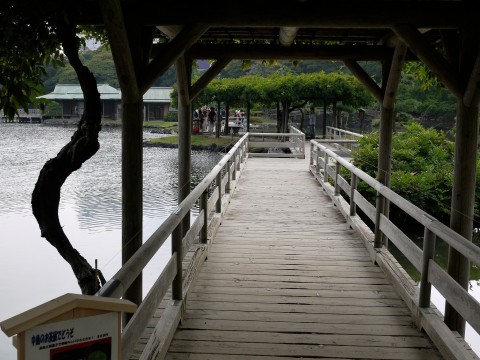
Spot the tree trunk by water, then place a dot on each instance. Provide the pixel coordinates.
(82, 146)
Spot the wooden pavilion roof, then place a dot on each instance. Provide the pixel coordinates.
(292, 29)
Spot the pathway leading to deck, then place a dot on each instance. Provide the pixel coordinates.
(287, 278)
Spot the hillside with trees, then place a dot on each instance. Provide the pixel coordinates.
(433, 106)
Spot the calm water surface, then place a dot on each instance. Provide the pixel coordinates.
(32, 271)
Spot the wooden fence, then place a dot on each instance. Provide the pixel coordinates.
(212, 195)
(325, 165)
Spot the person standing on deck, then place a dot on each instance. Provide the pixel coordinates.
(211, 119)
(312, 118)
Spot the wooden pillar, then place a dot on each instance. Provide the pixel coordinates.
(461, 74)
(132, 188)
(183, 69)
(125, 39)
(386, 133)
(463, 200)
(466, 145)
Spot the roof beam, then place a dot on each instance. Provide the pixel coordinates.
(320, 14)
(365, 79)
(447, 74)
(208, 76)
(294, 52)
(117, 35)
(170, 53)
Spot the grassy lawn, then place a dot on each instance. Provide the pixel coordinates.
(165, 124)
(197, 140)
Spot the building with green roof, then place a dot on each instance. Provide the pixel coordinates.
(156, 101)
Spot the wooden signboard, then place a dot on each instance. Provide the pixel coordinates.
(70, 327)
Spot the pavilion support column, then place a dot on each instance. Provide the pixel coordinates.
(183, 69)
(132, 188)
(463, 200)
(125, 39)
(387, 121)
(463, 192)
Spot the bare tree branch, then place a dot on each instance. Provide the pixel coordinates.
(82, 146)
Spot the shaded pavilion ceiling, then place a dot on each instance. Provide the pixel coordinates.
(288, 29)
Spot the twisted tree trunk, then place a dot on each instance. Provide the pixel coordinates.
(82, 146)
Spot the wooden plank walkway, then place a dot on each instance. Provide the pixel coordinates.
(286, 278)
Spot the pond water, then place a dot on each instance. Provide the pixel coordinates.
(32, 271)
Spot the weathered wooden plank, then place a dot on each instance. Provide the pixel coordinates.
(286, 338)
(301, 350)
(317, 301)
(287, 278)
(398, 310)
(359, 319)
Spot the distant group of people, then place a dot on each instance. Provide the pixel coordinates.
(204, 119)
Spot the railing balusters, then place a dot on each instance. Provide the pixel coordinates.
(353, 187)
(325, 167)
(204, 208)
(218, 183)
(177, 284)
(337, 173)
(227, 186)
(428, 254)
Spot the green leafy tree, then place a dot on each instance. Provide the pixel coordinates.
(422, 169)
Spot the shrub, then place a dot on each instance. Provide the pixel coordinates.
(422, 168)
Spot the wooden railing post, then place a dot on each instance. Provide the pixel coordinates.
(177, 284)
(218, 183)
(311, 154)
(317, 163)
(337, 173)
(239, 161)
(380, 208)
(353, 187)
(234, 172)
(229, 175)
(428, 253)
(204, 208)
(325, 167)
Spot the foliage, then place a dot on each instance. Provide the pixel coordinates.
(52, 108)
(28, 43)
(422, 168)
(203, 141)
(424, 102)
(292, 88)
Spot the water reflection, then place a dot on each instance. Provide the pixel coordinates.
(90, 212)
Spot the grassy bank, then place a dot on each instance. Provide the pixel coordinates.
(199, 142)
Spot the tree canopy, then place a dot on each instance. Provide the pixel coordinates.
(314, 88)
(29, 42)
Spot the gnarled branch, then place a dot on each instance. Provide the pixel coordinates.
(82, 146)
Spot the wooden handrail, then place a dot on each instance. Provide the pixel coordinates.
(423, 260)
(223, 177)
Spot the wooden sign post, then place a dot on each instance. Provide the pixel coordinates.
(70, 327)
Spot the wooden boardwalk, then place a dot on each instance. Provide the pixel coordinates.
(287, 278)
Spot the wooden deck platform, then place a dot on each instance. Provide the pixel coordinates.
(287, 278)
